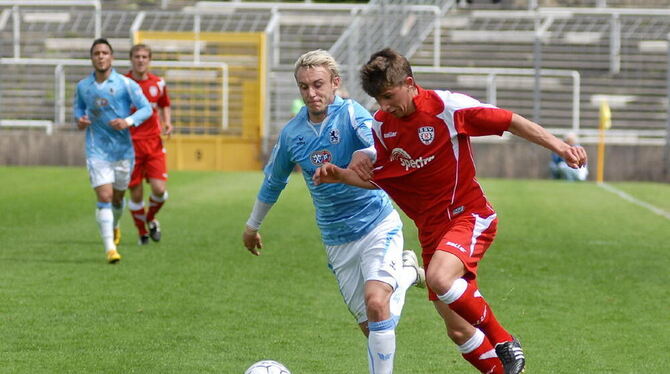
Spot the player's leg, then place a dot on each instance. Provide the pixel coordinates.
(451, 277)
(386, 282)
(137, 211)
(117, 210)
(101, 176)
(122, 173)
(136, 204)
(156, 172)
(472, 343)
(158, 197)
(344, 261)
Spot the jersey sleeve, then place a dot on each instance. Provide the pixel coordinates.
(277, 172)
(481, 121)
(362, 122)
(79, 105)
(164, 99)
(139, 101)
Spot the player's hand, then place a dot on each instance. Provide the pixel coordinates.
(167, 129)
(327, 173)
(252, 240)
(83, 122)
(362, 165)
(574, 156)
(119, 124)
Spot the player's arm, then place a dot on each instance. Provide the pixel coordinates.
(250, 236)
(331, 173)
(140, 102)
(277, 172)
(166, 119)
(362, 160)
(164, 110)
(574, 156)
(79, 110)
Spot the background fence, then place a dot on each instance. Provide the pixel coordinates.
(618, 48)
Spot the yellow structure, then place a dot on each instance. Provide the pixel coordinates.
(203, 139)
(605, 123)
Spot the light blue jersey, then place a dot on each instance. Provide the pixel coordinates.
(103, 102)
(343, 213)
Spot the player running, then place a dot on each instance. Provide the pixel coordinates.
(360, 229)
(102, 106)
(424, 162)
(150, 161)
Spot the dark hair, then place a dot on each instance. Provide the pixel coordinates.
(386, 68)
(138, 47)
(101, 41)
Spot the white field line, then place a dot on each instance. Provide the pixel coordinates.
(635, 201)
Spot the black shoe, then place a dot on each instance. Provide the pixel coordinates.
(155, 230)
(511, 356)
(144, 240)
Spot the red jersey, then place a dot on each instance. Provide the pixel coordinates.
(425, 163)
(156, 92)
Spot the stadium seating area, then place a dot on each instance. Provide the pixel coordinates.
(480, 34)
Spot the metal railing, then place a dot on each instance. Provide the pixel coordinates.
(59, 88)
(16, 15)
(493, 73)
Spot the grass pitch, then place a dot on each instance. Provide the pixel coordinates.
(578, 274)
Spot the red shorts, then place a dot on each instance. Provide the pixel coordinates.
(149, 161)
(467, 237)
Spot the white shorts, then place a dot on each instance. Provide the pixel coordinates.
(116, 173)
(375, 256)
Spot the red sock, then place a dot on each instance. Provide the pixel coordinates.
(139, 217)
(482, 356)
(474, 309)
(154, 206)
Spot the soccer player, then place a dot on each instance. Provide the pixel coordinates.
(102, 106)
(424, 162)
(149, 151)
(360, 229)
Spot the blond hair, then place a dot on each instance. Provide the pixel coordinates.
(317, 57)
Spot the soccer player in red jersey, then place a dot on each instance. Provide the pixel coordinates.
(149, 151)
(424, 162)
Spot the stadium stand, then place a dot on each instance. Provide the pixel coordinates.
(578, 35)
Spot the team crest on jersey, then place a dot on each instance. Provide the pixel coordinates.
(101, 101)
(153, 91)
(334, 136)
(319, 158)
(426, 134)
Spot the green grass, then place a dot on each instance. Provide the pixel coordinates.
(580, 275)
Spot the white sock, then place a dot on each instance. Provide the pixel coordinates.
(105, 219)
(381, 346)
(117, 211)
(407, 277)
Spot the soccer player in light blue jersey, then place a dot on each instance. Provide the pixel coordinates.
(103, 105)
(360, 229)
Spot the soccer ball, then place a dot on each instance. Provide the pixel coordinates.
(267, 367)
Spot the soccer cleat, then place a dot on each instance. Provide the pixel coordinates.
(144, 240)
(409, 259)
(155, 230)
(511, 356)
(113, 256)
(117, 235)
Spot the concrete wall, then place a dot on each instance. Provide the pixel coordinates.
(513, 159)
(35, 147)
